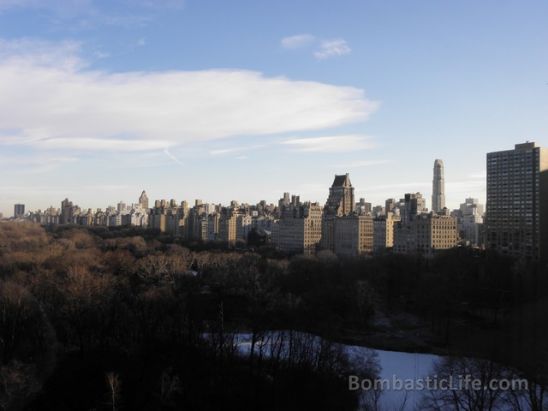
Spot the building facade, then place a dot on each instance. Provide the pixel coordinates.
(340, 203)
(143, 200)
(470, 222)
(383, 231)
(299, 229)
(353, 235)
(438, 187)
(410, 206)
(426, 234)
(18, 210)
(517, 201)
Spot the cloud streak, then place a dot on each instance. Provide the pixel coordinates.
(330, 144)
(361, 163)
(58, 102)
(332, 48)
(88, 14)
(326, 49)
(297, 41)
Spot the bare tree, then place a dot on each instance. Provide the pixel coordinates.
(114, 383)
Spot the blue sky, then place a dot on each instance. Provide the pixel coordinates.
(247, 99)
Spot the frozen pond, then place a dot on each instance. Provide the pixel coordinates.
(402, 366)
(389, 366)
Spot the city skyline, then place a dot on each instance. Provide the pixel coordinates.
(143, 200)
(298, 200)
(183, 98)
(407, 188)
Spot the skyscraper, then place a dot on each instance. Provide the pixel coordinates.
(340, 203)
(438, 187)
(143, 200)
(18, 210)
(68, 212)
(341, 197)
(470, 221)
(517, 201)
(412, 205)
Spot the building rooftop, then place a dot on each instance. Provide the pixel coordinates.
(525, 146)
(342, 181)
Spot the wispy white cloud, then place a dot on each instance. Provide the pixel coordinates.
(233, 150)
(340, 143)
(86, 6)
(158, 4)
(464, 186)
(56, 5)
(222, 151)
(34, 164)
(23, 52)
(332, 48)
(60, 12)
(478, 175)
(55, 101)
(312, 189)
(6, 4)
(410, 187)
(99, 54)
(361, 163)
(297, 41)
(88, 14)
(91, 144)
(172, 157)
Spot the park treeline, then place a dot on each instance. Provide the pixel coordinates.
(132, 323)
(132, 319)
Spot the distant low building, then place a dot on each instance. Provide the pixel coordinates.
(383, 231)
(470, 222)
(18, 210)
(69, 212)
(410, 206)
(50, 216)
(363, 207)
(299, 229)
(353, 235)
(228, 226)
(425, 234)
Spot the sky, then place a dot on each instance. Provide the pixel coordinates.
(245, 100)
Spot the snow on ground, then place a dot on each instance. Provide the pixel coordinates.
(393, 365)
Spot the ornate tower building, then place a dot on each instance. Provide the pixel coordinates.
(339, 203)
(143, 200)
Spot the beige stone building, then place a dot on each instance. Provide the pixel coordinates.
(383, 231)
(353, 235)
(213, 223)
(157, 218)
(169, 217)
(426, 234)
(299, 229)
(228, 226)
(244, 224)
(86, 219)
